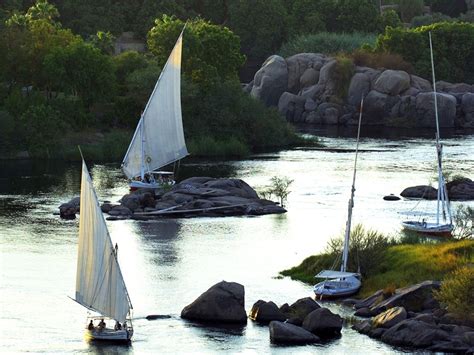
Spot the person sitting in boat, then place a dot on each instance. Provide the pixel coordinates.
(101, 324)
(423, 222)
(117, 326)
(91, 325)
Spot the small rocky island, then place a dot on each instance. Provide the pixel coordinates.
(461, 189)
(193, 197)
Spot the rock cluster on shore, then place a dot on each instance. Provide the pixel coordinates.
(197, 196)
(411, 317)
(305, 88)
(303, 322)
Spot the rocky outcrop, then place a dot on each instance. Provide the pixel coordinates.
(69, 209)
(265, 312)
(303, 84)
(297, 312)
(411, 317)
(460, 189)
(390, 317)
(270, 81)
(222, 303)
(286, 333)
(323, 322)
(198, 196)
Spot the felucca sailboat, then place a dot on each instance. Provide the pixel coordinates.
(443, 210)
(342, 283)
(159, 138)
(100, 286)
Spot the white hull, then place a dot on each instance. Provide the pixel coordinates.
(340, 287)
(150, 185)
(110, 335)
(428, 228)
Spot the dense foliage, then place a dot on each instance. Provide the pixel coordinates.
(456, 292)
(453, 47)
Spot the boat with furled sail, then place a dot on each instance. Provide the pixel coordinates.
(342, 283)
(443, 226)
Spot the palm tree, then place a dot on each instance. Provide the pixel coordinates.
(42, 10)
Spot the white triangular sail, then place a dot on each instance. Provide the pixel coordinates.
(99, 282)
(159, 137)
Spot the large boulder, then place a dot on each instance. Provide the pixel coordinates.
(374, 108)
(467, 107)
(69, 209)
(265, 312)
(359, 86)
(411, 298)
(461, 189)
(310, 77)
(390, 317)
(286, 333)
(413, 333)
(298, 311)
(222, 303)
(420, 84)
(421, 191)
(323, 322)
(392, 82)
(291, 106)
(270, 81)
(457, 88)
(298, 65)
(425, 112)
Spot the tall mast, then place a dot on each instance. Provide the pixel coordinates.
(442, 197)
(345, 253)
(142, 129)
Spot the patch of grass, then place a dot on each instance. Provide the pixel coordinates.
(343, 72)
(385, 60)
(390, 265)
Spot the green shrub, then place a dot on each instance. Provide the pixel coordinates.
(389, 18)
(463, 220)
(457, 292)
(343, 73)
(425, 20)
(453, 47)
(368, 58)
(467, 17)
(210, 147)
(327, 43)
(410, 8)
(42, 127)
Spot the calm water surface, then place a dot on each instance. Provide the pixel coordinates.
(168, 263)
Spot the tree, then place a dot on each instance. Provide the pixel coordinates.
(354, 16)
(104, 41)
(305, 18)
(260, 24)
(42, 10)
(389, 18)
(452, 8)
(410, 8)
(210, 52)
(81, 70)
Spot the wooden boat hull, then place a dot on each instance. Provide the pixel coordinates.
(111, 335)
(336, 288)
(428, 228)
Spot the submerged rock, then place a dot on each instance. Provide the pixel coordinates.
(222, 303)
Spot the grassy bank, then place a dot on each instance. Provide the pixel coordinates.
(398, 265)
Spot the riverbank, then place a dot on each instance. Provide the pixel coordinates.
(397, 265)
(110, 146)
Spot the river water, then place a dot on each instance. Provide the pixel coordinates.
(168, 263)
